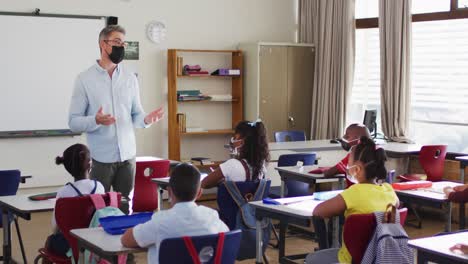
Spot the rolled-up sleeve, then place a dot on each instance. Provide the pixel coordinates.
(78, 121)
(138, 114)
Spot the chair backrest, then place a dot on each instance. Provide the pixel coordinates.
(76, 212)
(145, 193)
(291, 135)
(358, 230)
(432, 160)
(296, 188)
(9, 182)
(228, 208)
(174, 250)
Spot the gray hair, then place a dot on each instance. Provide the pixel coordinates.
(105, 32)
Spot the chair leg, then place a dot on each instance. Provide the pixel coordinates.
(275, 233)
(416, 214)
(20, 240)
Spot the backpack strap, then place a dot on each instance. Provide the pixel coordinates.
(260, 190)
(113, 199)
(234, 192)
(95, 187)
(97, 201)
(193, 252)
(219, 248)
(76, 189)
(191, 249)
(248, 174)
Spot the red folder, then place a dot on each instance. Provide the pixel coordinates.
(411, 185)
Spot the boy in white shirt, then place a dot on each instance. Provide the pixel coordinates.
(185, 218)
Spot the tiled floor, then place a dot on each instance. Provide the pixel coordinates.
(35, 231)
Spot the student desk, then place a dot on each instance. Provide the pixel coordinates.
(301, 173)
(436, 248)
(433, 197)
(99, 242)
(298, 214)
(21, 206)
(24, 178)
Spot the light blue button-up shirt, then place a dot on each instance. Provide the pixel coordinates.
(120, 97)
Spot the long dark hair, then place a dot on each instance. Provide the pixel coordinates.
(373, 158)
(76, 160)
(255, 147)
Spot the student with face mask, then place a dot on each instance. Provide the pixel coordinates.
(366, 167)
(106, 106)
(249, 148)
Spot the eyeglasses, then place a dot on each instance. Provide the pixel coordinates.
(116, 42)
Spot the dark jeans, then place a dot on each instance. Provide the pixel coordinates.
(57, 244)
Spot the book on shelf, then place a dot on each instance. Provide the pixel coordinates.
(201, 161)
(221, 97)
(189, 92)
(180, 65)
(181, 121)
(226, 72)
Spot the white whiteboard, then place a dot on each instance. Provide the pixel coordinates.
(41, 57)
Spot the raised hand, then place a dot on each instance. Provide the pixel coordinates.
(154, 116)
(104, 119)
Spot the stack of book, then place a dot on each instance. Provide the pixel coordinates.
(181, 121)
(201, 161)
(194, 70)
(191, 95)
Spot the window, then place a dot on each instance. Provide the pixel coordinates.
(462, 3)
(367, 8)
(429, 6)
(439, 95)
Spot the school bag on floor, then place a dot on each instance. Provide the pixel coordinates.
(389, 244)
(245, 220)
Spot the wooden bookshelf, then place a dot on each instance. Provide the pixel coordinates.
(236, 83)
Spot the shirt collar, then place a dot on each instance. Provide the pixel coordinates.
(100, 69)
(187, 205)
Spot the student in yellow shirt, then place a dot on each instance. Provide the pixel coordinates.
(366, 166)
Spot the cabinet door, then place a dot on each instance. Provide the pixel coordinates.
(300, 84)
(273, 88)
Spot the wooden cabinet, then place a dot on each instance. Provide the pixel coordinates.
(278, 85)
(217, 118)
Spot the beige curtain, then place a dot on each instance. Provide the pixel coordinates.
(395, 67)
(329, 24)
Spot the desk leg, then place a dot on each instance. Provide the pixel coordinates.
(81, 255)
(282, 241)
(342, 183)
(160, 195)
(6, 238)
(462, 173)
(448, 211)
(421, 257)
(462, 216)
(259, 254)
(335, 243)
(282, 188)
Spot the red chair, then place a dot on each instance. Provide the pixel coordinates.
(432, 159)
(145, 194)
(72, 213)
(358, 231)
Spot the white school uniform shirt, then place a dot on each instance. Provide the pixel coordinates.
(85, 186)
(233, 170)
(183, 219)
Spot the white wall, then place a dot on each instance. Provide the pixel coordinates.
(219, 24)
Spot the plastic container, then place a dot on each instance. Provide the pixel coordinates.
(116, 225)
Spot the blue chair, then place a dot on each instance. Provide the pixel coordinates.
(9, 182)
(228, 208)
(174, 250)
(291, 135)
(294, 188)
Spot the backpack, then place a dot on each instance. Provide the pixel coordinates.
(389, 244)
(102, 211)
(246, 221)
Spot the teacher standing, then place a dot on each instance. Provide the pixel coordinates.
(106, 106)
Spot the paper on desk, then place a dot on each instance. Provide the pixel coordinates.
(438, 187)
(291, 200)
(306, 206)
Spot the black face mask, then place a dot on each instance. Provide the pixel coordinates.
(345, 145)
(117, 54)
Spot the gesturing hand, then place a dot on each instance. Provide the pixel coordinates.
(154, 116)
(463, 248)
(104, 119)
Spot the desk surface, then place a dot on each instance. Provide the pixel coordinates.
(150, 158)
(462, 158)
(302, 209)
(21, 203)
(310, 145)
(440, 245)
(101, 242)
(304, 171)
(433, 193)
